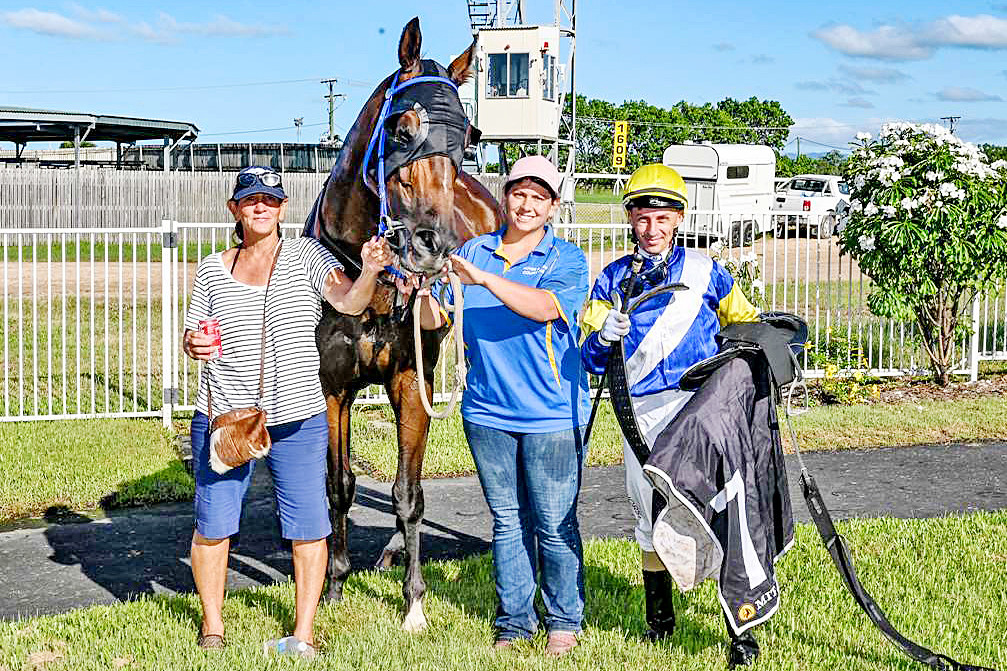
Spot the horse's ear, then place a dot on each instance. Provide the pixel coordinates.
(409, 46)
(461, 68)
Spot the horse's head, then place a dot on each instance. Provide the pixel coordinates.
(417, 145)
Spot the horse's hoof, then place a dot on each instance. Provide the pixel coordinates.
(415, 621)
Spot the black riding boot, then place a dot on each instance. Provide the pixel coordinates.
(743, 650)
(660, 608)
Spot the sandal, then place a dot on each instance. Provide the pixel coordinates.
(560, 643)
(289, 646)
(211, 641)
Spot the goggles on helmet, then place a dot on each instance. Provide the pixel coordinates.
(262, 175)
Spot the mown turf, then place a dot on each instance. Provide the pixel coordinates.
(941, 581)
(78, 464)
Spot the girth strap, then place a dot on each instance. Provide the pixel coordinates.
(836, 545)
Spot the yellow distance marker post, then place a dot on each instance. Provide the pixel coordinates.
(619, 144)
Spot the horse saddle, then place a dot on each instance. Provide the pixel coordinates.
(778, 336)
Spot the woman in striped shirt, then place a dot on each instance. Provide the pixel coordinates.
(238, 288)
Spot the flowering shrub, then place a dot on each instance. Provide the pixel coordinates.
(927, 222)
(744, 268)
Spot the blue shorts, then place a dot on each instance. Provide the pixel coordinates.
(297, 462)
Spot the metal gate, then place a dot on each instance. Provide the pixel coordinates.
(92, 316)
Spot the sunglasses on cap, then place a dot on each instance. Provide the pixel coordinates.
(266, 177)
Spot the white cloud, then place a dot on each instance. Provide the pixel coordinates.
(51, 23)
(830, 131)
(219, 26)
(992, 131)
(723, 46)
(99, 15)
(879, 75)
(862, 103)
(907, 42)
(839, 86)
(886, 43)
(965, 94)
(88, 24)
(978, 32)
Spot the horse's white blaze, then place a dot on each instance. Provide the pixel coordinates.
(415, 621)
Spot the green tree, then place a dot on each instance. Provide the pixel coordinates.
(833, 163)
(69, 145)
(774, 121)
(928, 223)
(653, 129)
(994, 152)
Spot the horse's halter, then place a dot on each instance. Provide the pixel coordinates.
(444, 130)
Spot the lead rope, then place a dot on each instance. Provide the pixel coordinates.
(459, 369)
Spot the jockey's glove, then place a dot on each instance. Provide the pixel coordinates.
(615, 327)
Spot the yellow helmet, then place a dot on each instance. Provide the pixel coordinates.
(655, 185)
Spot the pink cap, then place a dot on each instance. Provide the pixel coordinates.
(538, 167)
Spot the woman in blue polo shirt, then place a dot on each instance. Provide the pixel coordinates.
(526, 402)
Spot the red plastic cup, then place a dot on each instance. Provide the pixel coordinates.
(211, 327)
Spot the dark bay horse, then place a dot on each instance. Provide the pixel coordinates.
(439, 206)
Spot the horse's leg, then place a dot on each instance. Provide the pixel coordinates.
(342, 487)
(407, 493)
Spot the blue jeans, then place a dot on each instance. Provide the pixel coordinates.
(531, 482)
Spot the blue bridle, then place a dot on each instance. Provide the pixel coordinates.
(388, 227)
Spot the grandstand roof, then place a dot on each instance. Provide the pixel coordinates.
(22, 125)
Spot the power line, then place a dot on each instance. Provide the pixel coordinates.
(266, 130)
(676, 125)
(349, 82)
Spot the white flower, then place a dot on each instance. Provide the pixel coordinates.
(758, 286)
(889, 210)
(999, 165)
(1002, 221)
(866, 243)
(864, 137)
(717, 247)
(856, 205)
(859, 181)
(931, 176)
(749, 257)
(870, 210)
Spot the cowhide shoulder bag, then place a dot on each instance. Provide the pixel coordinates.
(240, 435)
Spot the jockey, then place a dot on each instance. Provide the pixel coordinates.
(662, 338)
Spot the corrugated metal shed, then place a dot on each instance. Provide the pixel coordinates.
(22, 125)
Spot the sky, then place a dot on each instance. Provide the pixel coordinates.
(233, 67)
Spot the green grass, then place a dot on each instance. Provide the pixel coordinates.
(598, 196)
(80, 464)
(84, 354)
(940, 581)
(927, 422)
(113, 247)
(821, 428)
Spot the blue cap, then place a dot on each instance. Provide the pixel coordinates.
(258, 179)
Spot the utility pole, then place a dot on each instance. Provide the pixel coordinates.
(951, 121)
(332, 108)
(298, 122)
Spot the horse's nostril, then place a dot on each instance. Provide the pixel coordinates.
(427, 238)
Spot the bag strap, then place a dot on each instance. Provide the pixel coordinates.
(262, 351)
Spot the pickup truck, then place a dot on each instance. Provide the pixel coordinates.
(814, 201)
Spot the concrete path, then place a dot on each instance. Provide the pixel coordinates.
(72, 560)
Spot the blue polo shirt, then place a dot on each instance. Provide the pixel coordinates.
(525, 375)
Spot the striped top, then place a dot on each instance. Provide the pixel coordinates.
(292, 389)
